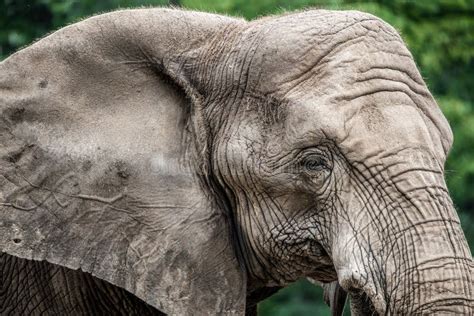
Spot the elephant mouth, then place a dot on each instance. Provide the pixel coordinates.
(324, 274)
(324, 270)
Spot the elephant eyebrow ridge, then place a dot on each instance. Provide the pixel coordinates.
(270, 109)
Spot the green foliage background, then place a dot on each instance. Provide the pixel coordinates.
(439, 33)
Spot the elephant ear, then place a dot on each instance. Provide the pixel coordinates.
(97, 135)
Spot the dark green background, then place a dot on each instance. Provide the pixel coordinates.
(439, 33)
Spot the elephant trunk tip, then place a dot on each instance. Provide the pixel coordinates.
(364, 296)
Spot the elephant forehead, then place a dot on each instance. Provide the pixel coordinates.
(329, 67)
(295, 48)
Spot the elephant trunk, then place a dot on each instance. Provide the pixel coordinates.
(409, 255)
(436, 277)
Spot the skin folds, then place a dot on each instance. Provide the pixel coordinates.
(201, 162)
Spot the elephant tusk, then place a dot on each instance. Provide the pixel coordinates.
(335, 297)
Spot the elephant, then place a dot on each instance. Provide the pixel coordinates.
(159, 160)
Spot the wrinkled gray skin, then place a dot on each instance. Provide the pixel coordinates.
(199, 162)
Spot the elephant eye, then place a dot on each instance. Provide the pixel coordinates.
(314, 164)
(316, 168)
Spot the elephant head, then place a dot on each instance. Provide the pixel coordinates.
(192, 159)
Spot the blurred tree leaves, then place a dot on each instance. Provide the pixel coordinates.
(439, 33)
(21, 21)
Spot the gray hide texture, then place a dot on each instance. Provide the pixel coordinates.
(93, 139)
(202, 162)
